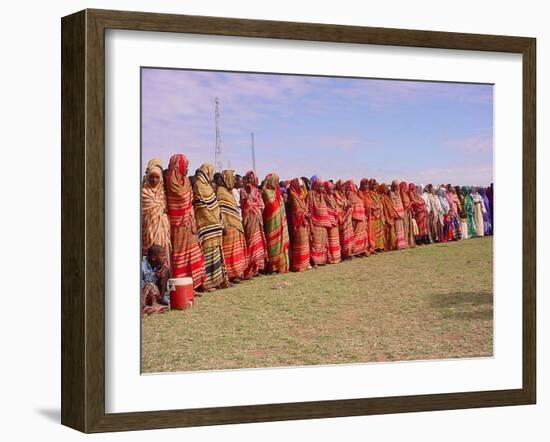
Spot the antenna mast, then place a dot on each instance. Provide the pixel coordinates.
(218, 166)
(253, 151)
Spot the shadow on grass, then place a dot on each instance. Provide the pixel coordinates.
(483, 315)
(446, 300)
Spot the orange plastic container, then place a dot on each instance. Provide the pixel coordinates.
(181, 291)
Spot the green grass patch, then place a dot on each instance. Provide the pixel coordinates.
(430, 302)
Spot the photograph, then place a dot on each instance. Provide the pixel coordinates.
(303, 220)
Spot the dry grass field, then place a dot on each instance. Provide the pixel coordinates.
(430, 302)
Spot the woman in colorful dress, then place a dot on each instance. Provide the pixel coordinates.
(252, 207)
(487, 215)
(345, 223)
(187, 258)
(275, 225)
(418, 207)
(365, 196)
(155, 225)
(333, 248)
(401, 242)
(210, 229)
(299, 227)
(233, 240)
(435, 215)
(479, 210)
(452, 198)
(408, 219)
(447, 230)
(469, 209)
(462, 213)
(320, 223)
(359, 220)
(388, 217)
(377, 216)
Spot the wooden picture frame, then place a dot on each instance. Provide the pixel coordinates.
(83, 220)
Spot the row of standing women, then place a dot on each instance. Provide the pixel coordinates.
(219, 235)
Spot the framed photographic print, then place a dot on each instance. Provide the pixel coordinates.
(269, 220)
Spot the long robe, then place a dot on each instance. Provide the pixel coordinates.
(478, 213)
(400, 241)
(252, 207)
(187, 256)
(418, 207)
(359, 220)
(333, 240)
(345, 224)
(155, 225)
(299, 228)
(408, 219)
(233, 239)
(320, 224)
(209, 227)
(275, 225)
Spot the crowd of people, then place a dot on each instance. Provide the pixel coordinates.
(222, 228)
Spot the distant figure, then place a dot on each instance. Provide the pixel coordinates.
(345, 224)
(469, 209)
(320, 224)
(233, 241)
(365, 195)
(408, 218)
(359, 220)
(487, 214)
(210, 230)
(187, 257)
(154, 276)
(479, 211)
(420, 213)
(334, 252)
(299, 227)
(237, 191)
(275, 225)
(252, 207)
(401, 242)
(389, 216)
(377, 214)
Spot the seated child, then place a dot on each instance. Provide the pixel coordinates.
(154, 276)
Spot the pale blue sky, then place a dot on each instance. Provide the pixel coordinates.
(334, 127)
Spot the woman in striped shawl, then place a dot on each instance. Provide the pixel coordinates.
(377, 214)
(408, 219)
(210, 230)
(359, 220)
(252, 207)
(395, 196)
(155, 225)
(365, 195)
(389, 216)
(233, 241)
(320, 223)
(300, 226)
(187, 257)
(275, 225)
(345, 225)
(418, 207)
(333, 243)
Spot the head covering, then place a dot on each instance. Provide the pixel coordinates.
(154, 221)
(228, 179)
(205, 173)
(228, 205)
(207, 209)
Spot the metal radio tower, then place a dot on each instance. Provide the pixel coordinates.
(253, 152)
(218, 165)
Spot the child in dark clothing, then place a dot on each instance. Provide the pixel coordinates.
(154, 277)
